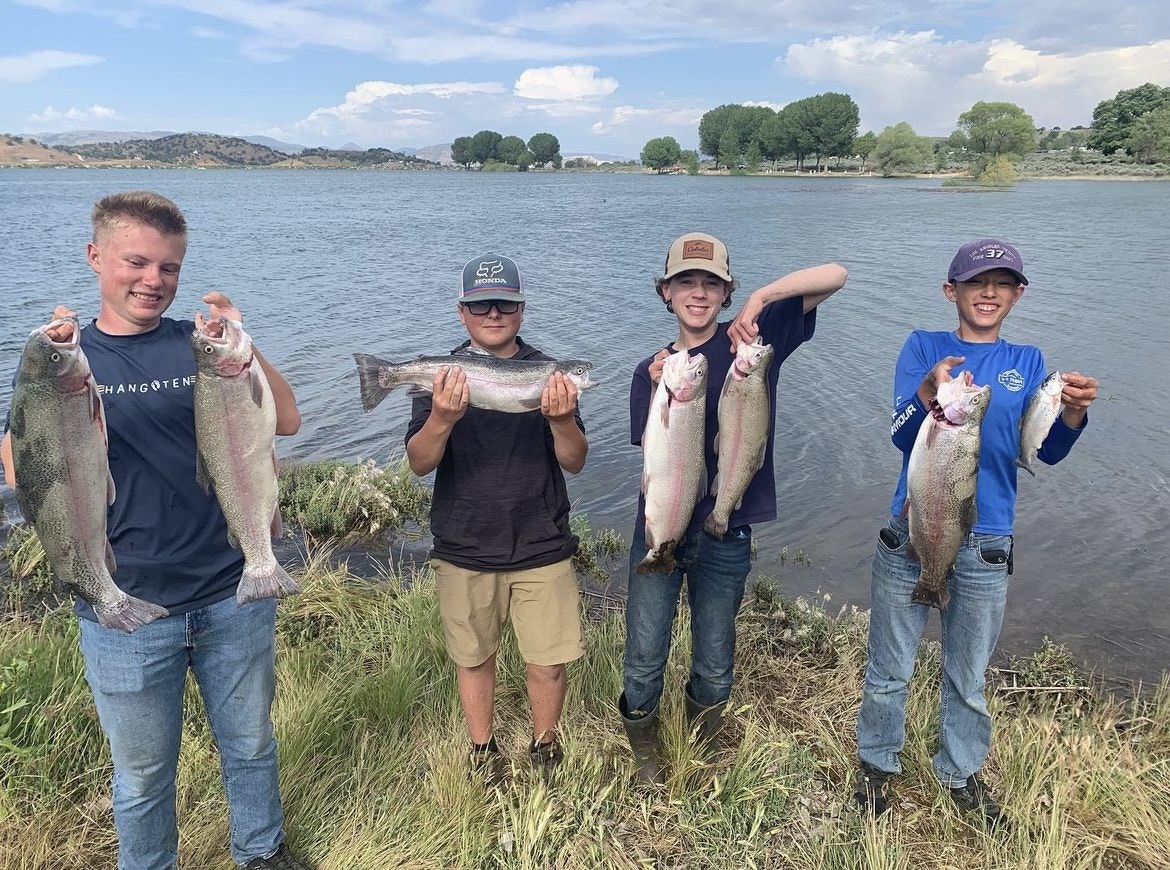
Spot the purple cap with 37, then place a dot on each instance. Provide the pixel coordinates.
(974, 258)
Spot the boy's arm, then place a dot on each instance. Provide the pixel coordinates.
(449, 397)
(288, 416)
(815, 284)
(6, 459)
(558, 403)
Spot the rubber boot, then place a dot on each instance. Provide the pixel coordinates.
(643, 736)
(703, 723)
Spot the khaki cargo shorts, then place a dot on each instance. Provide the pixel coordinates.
(543, 604)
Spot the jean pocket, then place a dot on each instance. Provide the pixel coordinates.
(890, 540)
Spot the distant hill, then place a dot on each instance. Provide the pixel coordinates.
(440, 154)
(356, 158)
(91, 137)
(275, 144)
(594, 157)
(185, 149)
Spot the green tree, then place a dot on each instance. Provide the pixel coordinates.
(660, 153)
(545, 148)
(988, 130)
(1149, 137)
(690, 159)
(461, 151)
(1113, 120)
(510, 149)
(742, 122)
(729, 154)
(834, 125)
(526, 160)
(1000, 172)
(899, 151)
(863, 146)
(484, 145)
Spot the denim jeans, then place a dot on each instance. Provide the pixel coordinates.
(137, 682)
(716, 573)
(970, 629)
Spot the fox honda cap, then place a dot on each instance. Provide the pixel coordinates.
(975, 258)
(491, 276)
(697, 251)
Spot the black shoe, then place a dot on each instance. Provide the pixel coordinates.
(545, 757)
(489, 765)
(870, 790)
(281, 859)
(642, 732)
(974, 797)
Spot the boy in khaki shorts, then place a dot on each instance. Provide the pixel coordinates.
(500, 519)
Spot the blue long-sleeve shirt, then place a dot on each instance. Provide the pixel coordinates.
(1014, 372)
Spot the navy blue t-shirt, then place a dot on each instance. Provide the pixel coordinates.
(785, 326)
(169, 537)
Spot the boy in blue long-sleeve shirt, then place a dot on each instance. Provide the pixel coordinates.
(985, 280)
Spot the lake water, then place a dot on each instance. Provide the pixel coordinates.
(325, 263)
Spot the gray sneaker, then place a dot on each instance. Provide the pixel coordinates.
(281, 859)
(490, 765)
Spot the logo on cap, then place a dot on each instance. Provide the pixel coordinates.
(487, 272)
(698, 249)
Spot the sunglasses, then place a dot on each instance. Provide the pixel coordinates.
(483, 306)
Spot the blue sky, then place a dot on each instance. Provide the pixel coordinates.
(602, 75)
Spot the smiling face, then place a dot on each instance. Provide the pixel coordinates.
(697, 298)
(983, 301)
(138, 275)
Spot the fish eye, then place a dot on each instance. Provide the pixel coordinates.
(207, 348)
(55, 357)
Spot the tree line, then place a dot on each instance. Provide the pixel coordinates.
(488, 146)
(990, 137)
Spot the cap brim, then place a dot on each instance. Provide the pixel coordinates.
(695, 265)
(488, 294)
(971, 273)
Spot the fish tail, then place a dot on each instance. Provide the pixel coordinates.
(373, 386)
(715, 527)
(659, 560)
(269, 580)
(923, 594)
(129, 614)
(1026, 467)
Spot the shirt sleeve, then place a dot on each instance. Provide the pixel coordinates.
(640, 392)
(908, 411)
(1059, 441)
(420, 411)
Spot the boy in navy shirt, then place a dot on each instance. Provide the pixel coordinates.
(985, 280)
(696, 285)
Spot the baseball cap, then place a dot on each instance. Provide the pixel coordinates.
(974, 258)
(698, 251)
(492, 276)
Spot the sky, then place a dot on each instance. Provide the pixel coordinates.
(604, 76)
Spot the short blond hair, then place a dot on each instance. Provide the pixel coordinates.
(140, 207)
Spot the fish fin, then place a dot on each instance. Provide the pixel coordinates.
(905, 512)
(714, 490)
(257, 387)
(715, 528)
(716, 443)
(233, 540)
(659, 560)
(111, 562)
(929, 597)
(645, 482)
(1026, 467)
(702, 488)
(201, 476)
(276, 528)
(129, 614)
(967, 515)
(111, 490)
(23, 504)
(529, 404)
(98, 410)
(269, 580)
(373, 389)
(415, 392)
(911, 553)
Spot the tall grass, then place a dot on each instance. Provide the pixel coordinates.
(373, 755)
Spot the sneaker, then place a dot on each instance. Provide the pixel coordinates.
(870, 790)
(489, 764)
(546, 756)
(281, 859)
(973, 796)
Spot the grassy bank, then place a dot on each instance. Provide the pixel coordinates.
(373, 770)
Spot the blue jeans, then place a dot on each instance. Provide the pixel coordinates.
(137, 682)
(970, 629)
(716, 573)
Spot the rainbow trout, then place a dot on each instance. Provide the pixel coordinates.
(235, 434)
(1043, 409)
(744, 414)
(940, 482)
(63, 482)
(514, 386)
(674, 474)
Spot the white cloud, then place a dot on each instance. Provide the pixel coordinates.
(674, 118)
(73, 115)
(37, 64)
(565, 82)
(929, 81)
